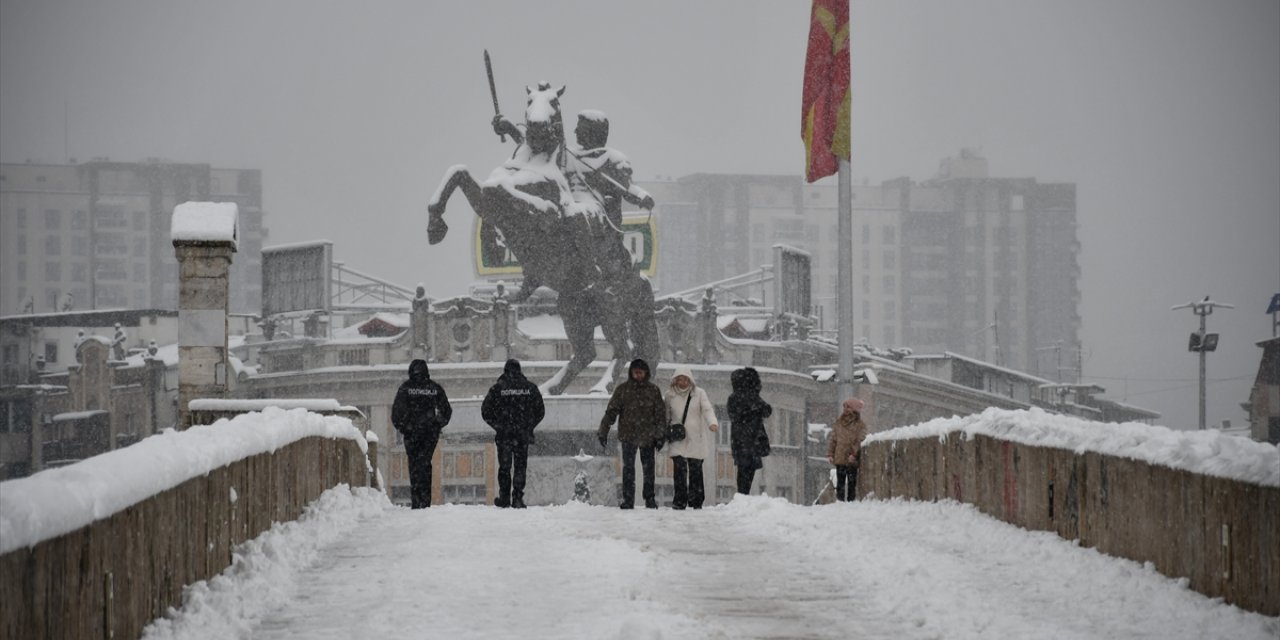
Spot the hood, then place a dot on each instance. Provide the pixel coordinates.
(745, 380)
(418, 371)
(642, 365)
(686, 372)
(512, 369)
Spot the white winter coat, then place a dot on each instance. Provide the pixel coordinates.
(700, 441)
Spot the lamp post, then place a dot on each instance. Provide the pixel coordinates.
(1202, 342)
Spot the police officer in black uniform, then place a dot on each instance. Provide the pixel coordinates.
(513, 407)
(420, 411)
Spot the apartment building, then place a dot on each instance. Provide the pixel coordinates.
(962, 262)
(95, 235)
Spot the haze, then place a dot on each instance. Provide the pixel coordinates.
(1165, 113)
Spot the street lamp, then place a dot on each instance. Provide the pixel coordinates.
(1202, 342)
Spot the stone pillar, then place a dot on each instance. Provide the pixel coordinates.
(204, 239)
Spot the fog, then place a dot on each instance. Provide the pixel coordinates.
(1165, 113)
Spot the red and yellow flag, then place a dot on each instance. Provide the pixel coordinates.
(825, 121)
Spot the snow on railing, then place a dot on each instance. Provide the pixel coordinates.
(1205, 452)
(57, 501)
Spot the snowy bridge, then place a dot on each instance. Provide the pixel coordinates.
(354, 566)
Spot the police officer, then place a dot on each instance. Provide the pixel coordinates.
(420, 411)
(513, 408)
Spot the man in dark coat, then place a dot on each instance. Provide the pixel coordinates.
(420, 411)
(747, 436)
(513, 408)
(638, 407)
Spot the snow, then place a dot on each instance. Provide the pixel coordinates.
(757, 567)
(77, 415)
(205, 222)
(370, 436)
(258, 404)
(57, 501)
(594, 115)
(298, 245)
(547, 327)
(1206, 452)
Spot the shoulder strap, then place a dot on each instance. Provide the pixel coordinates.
(686, 407)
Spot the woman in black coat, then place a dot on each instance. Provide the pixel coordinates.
(748, 438)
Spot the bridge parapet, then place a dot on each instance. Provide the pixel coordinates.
(1118, 489)
(102, 547)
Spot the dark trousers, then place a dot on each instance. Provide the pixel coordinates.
(745, 476)
(689, 490)
(846, 482)
(513, 459)
(419, 452)
(629, 472)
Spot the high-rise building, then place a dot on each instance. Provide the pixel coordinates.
(963, 262)
(95, 235)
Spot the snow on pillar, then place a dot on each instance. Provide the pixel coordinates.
(205, 235)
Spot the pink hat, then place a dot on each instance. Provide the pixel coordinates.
(854, 404)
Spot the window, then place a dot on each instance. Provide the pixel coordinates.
(22, 270)
(80, 220)
(866, 285)
(52, 219)
(53, 271)
(22, 245)
(51, 298)
(139, 247)
(79, 272)
(79, 246)
(53, 245)
(10, 353)
(890, 336)
(890, 235)
(890, 260)
(866, 259)
(351, 357)
(890, 285)
(51, 352)
(891, 312)
(866, 234)
(139, 221)
(139, 272)
(22, 218)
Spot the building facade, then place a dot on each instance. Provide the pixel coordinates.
(962, 262)
(95, 235)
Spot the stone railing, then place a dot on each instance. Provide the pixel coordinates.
(110, 577)
(1223, 535)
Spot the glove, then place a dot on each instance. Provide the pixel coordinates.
(604, 440)
(658, 442)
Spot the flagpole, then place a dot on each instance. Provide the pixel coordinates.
(844, 279)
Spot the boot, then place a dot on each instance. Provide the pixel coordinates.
(501, 502)
(650, 503)
(517, 503)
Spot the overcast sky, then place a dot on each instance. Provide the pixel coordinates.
(1165, 113)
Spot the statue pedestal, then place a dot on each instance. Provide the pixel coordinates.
(569, 428)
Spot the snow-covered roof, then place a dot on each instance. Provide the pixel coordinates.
(77, 415)
(259, 404)
(547, 327)
(985, 365)
(206, 222)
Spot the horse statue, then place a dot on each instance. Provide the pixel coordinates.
(529, 200)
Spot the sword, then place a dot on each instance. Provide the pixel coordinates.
(493, 92)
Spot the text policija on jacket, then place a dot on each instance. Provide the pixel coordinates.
(513, 407)
(420, 411)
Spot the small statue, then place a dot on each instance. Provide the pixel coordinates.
(581, 489)
(117, 343)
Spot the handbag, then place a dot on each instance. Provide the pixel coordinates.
(675, 430)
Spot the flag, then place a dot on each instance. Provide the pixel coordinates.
(825, 116)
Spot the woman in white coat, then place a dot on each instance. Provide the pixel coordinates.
(700, 425)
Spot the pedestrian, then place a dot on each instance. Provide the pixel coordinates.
(748, 438)
(845, 446)
(420, 411)
(642, 423)
(513, 408)
(687, 404)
